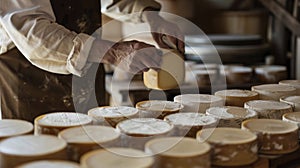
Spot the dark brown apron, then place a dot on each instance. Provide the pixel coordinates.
(28, 91)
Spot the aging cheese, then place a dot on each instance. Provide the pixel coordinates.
(273, 91)
(205, 77)
(237, 97)
(86, 138)
(10, 128)
(53, 123)
(178, 152)
(232, 146)
(237, 74)
(170, 75)
(293, 117)
(271, 73)
(188, 124)
(136, 132)
(294, 101)
(231, 116)
(198, 102)
(50, 164)
(158, 108)
(108, 115)
(116, 158)
(293, 83)
(269, 108)
(274, 136)
(20, 149)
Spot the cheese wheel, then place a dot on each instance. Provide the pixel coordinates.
(20, 149)
(86, 138)
(274, 136)
(293, 83)
(178, 152)
(115, 158)
(158, 108)
(237, 97)
(205, 77)
(198, 102)
(170, 75)
(137, 131)
(231, 116)
(273, 91)
(269, 108)
(293, 117)
(53, 123)
(112, 115)
(204, 67)
(10, 128)
(188, 124)
(50, 164)
(232, 146)
(270, 73)
(237, 74)
(294, 101)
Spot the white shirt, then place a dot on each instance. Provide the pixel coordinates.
(30, 26)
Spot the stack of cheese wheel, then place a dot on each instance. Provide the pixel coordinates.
(158, 108)
(294, 101)
(20, 149)
(136, 132)
(274, 136)
(237, 74)
(188, 124)
(53, 123)
(86, 138)
(293, 83)
(236, 97)
(50, 164)
(231, 116)
(198, 102)
(269, 108)
(232, 146)
(273, 91)
(271, 73)
(178, 152)
(10, 128)
(116, 158)
(112, 115)
(293, 117)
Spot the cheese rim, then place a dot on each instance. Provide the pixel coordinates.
(139, 106)
(293, 117)
(190, 124)
(226, 110)
(26, 127)
(269, 69)
(294, 83)
(119, 153)
(253, 105)
(166, 147)
(293, 127)
(287, 99)
(93, 112)
(11, 146)
(221, 140)
(186, 98)
(273, 88)
(68, 135)
(229, 93)
(39, 163)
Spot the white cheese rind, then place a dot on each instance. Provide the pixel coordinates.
(273, 91)
(11, 127)
(236, 97)
(293, 117)
(50, 164)
(293, 83)
(294, 101)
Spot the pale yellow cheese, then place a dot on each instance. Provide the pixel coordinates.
(274, 136)
(293, 83)
(50, 164)
(294, 101)
(273, 91)
(11, 127)
(237, 97)
(170, 75)
(227, 144)
(116, 158)
(178, 152)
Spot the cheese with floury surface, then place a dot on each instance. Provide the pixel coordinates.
(293, 117)
(109, 115)
(293, 83)
(188, 124)
(179, 152)
(237, 97)
(21, 149)
(117, 158)
(198, 102)
(268, 108)
(11, 127)
(50, 164)
(294, 101)
(158, 108)
(231, 116)
(274, 136)
(170, 75)
(273, 91)
(87, 138)
(232, 146)
(53, 123)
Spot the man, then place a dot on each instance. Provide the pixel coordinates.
(46, 43)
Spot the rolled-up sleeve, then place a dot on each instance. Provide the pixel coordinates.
(32, 28)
